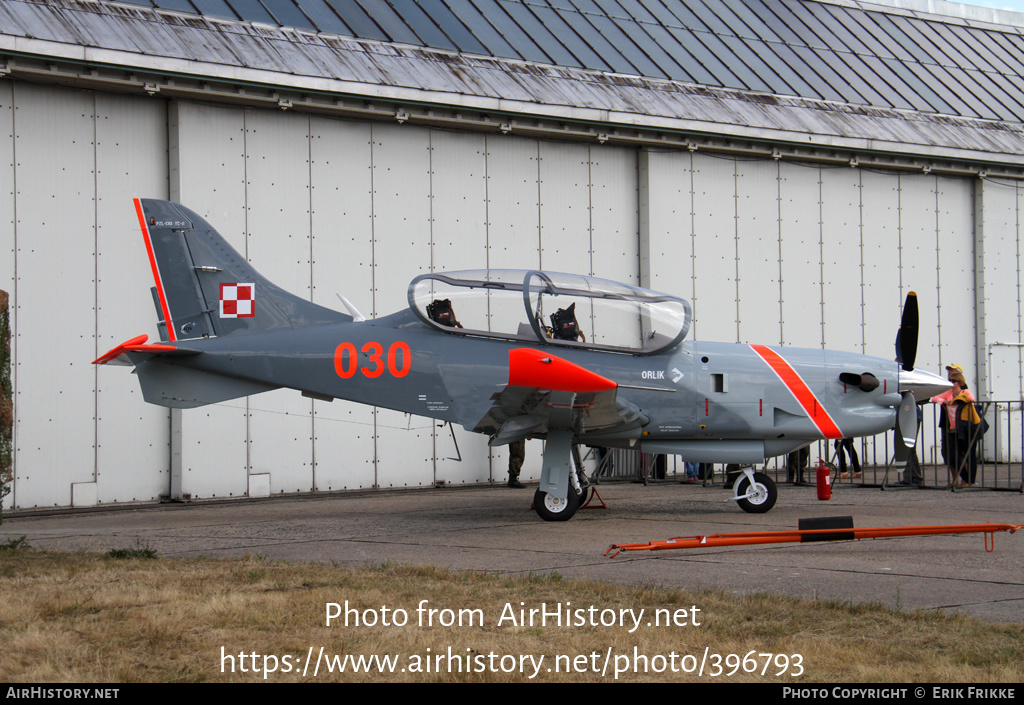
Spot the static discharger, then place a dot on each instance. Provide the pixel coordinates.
(821, 529)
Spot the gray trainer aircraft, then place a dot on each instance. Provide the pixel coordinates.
(515, 355)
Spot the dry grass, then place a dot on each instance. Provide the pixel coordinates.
(93, 618)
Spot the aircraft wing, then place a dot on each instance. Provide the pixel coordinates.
(546, 392)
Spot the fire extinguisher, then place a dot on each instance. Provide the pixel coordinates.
(824, 482)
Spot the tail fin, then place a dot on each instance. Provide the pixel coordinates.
(204, 288)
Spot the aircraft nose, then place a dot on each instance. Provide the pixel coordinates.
(923, 384)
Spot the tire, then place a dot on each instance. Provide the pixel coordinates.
(550, 508)
(766, 493)
(584, 495)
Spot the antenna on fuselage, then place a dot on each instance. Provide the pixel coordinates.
(353, 311)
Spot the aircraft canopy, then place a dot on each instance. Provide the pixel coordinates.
(551, 309)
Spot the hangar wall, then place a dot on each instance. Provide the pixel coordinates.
(812, 256)
(325, 206)
(69, 162)
(320, 206)
(768, 251)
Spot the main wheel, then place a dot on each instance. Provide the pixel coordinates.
(551, 508)
(762, 495)
(584, 495)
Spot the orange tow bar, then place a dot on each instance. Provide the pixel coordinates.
(835, 533)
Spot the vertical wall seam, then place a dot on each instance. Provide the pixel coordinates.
(821, 251)
(1020, 355)
(736, 239)
(778, 235)
(590, 211)
(693, 247)
(312, 282)
(13, 300)
(899, 232)
(430, 239)
(95, 295)
(540, 219)
(938, 271)
(487, 262)
(373, 280)
(245, 224)
(175, 425)
(980, 348)
(860, 230)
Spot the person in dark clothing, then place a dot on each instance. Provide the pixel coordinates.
(844, 447)
(516, 456)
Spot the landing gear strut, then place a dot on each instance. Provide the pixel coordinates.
(562, 469)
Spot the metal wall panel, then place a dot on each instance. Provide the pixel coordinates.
(1001, 276)
(714, 248)
(513, 211)
(7, 229)
(800, 223)
(666, 206)
(565, 217)
(458, 233)
(208, 175)
(882, 302)
(919, 271)
(56, 296)
(920, 241)
(881, 236)
(7, 242)
(613, 196)
(132, 437)
(513, 242)
(954, 297)
(614, 236)
(758, 247)
(401, 251)
(565, 208)
(842, 268)
(277, 193)
(949, 307)
(341, 214)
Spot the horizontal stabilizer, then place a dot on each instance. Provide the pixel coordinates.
(178, 387)
(119, 355)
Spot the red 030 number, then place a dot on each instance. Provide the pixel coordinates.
(397, 363)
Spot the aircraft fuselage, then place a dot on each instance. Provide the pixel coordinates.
(697, 391)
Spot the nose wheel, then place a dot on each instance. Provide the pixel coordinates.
(756, 492)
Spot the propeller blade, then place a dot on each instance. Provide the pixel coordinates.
(906, 420)
(906, 338)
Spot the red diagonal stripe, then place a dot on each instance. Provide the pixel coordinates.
(168, 324)
(814, 409)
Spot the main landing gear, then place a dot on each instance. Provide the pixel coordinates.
(548, 505)
(551, 508)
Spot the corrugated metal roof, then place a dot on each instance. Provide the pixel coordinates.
(818, 73)
(819, 50)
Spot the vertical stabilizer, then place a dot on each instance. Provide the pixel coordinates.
(204, 287)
